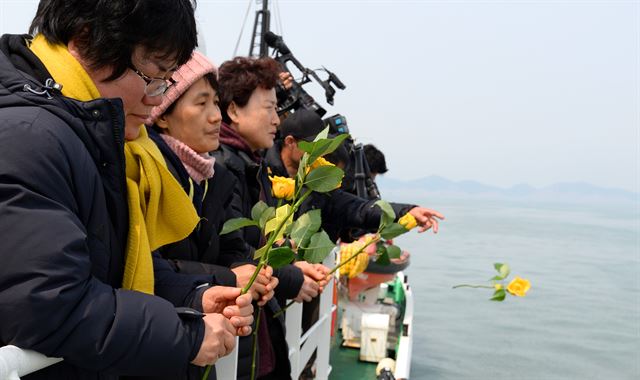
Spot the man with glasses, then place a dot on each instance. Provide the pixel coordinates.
(70, 95)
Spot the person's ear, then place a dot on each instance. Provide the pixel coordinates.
(290, 142)
(162, 122)
(232, 112)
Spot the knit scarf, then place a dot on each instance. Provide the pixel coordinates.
(199, 166)
(229, 136)
(160, 212)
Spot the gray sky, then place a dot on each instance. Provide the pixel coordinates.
(502, 92)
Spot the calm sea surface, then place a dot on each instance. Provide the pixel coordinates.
(581, 318)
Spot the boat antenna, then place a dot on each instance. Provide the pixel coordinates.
(261, 26)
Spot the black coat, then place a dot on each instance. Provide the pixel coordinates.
(63, 216)
(253, 185)
(205, 251)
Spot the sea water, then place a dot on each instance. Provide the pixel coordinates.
(581, 318)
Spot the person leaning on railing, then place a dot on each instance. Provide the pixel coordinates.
(186, 127)
(77, 236)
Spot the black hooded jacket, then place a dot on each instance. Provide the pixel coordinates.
(64, 222)
(253, 185)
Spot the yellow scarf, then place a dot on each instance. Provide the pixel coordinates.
(160, 212)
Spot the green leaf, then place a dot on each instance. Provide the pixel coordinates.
(504, 270)
(306, 225)
(302, 167)
(281, 256)
(394, 251)
(268, 214)
(283, 218)
(496, 278)
(319, 247)
(322, 145)
(392, 230)
(388, 215)
(323, 134)
(257, 210)
(383, 259)
(235, 224)
(324, 179)
(260, 252)
(314, 149)
(498, 295)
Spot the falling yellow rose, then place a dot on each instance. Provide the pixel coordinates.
(408, 221)
(282, 187)
(519, 287)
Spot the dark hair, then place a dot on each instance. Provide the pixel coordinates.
(209, 77)
(375, 159)
(239, 77)
(108, 31)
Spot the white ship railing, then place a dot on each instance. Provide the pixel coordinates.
(403, 356)
(16, 362)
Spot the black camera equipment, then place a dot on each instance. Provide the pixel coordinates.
(296, 97)
(357, 173)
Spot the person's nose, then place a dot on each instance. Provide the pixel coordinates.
(275, 119)
(152, 101)
(215, 117)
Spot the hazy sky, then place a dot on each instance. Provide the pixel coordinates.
(502, 92)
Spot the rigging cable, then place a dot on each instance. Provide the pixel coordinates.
(278, 18)
(244, 23)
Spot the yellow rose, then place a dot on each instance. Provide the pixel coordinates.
(519, 287)
(320, 161)
(282, 187)
(408, 221)
(358, 264)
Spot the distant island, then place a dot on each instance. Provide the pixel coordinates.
(564, 191)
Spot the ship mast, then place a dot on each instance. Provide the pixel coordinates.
(261, 26)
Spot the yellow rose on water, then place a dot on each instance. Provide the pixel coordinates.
(282, 187)
(408, 221)
(519, 287)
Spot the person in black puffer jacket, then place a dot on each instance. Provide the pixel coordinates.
(186, 128)
(63, 199)
(248, 106)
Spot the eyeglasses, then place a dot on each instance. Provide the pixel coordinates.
(154, 86)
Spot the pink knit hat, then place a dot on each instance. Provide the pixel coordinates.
(185, 76)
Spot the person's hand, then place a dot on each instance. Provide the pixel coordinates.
(219, 340)
(262, 289)
(287, 79)
(317, 272)
(228, 301)
(308, 290)
(426, 218)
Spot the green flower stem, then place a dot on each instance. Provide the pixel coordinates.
(253, 276)
(255, 345)
(281, 311)
(375, 240)
(474, 286)
(272, 237)
(353, 256)
(206, 372)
